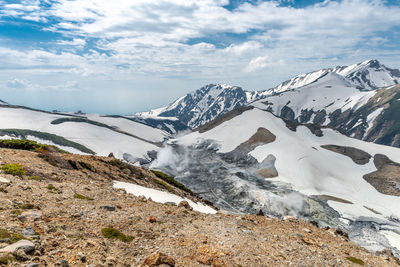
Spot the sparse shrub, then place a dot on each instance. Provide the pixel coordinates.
(78, 196)
(27, 206)
(87, 166)
(16, 212)
(14, 169)
(59, 140)
(52, 188)
(25, 144)
(4, 234)
(3, 261)
(171, 181)
(165, 185)
(355, 260)
(114, 233)
(35, 177)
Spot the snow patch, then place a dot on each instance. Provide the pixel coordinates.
(161, 196)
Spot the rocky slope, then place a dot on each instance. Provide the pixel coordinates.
(204, 105)
(63, 211)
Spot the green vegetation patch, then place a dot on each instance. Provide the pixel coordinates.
(27, 206)
(171, 181)
(52, 188)
(14, 169)
(3, 261)
(355, 260)
(165, 185)
(59, 140)
(35, 177)
(12, 237)
(78, 196)
(114, 233)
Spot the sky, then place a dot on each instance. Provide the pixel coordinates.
(124, 56)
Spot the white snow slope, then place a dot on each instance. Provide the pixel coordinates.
(308, 168)
(99, 139)
(330, 92)
(161, 196)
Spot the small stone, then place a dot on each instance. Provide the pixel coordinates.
(152, 219)
(289, 218)
(185, 205)
(20, 255)
(32, 264)
(26, 245)
(108, 208)
(64, 263)
(110, 261)
(30, 215)
(81, 256)
(111, 155)
(307, 230)
(159, 259)
(28, 231)
(4, 180)
(340, 232)
(142, 198)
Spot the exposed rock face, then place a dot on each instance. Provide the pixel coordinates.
(387, 178)
(357, 155)
(203, 105)
(261, 137)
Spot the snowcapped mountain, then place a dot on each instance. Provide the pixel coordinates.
(367, 75)
(352, 99)
(213, 100)
(204, 104)
(333, 101)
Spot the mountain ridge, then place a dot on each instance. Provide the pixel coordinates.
(325, 97)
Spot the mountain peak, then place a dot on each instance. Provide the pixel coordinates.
(216, 87)
(367, 75)
(203, 105)
(370, 75)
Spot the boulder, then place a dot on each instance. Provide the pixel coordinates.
(4, 180)
(30, 215)
(159, 259)
(26, 245)
(185, 205)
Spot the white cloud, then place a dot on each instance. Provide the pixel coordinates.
(150, 39)
(26, 85)
(15, 83)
